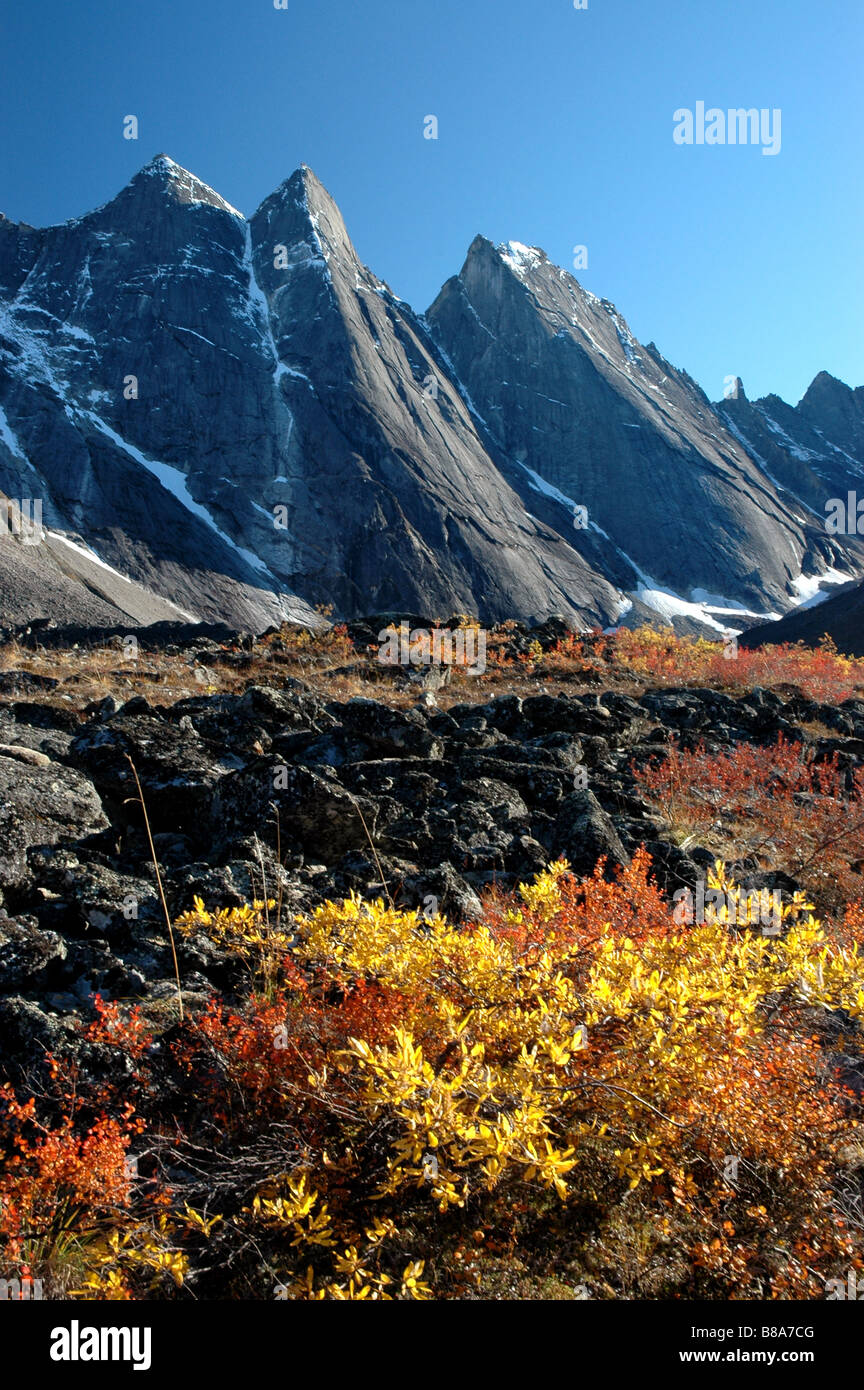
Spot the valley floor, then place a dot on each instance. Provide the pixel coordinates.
(327, 978)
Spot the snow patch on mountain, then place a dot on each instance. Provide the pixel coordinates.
(259, 315)
(625, 337)
(808, 587)
(89, 554)
(670, 605)
(738, 434)
(519, 257)
(33, 361)
(9, 438)
(86, 552)
(548, 489)
(174, 481)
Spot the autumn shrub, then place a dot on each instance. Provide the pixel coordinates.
(575, 1091)
(54, 1175)
(659, 657)
(114, 1027)
(571, 1070)
(248, 932)
(63, 1176)
(324, 642)
(776, 804)
(68, 1206)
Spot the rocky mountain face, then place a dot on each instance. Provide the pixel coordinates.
(236, 420)
(676, 500)
(815, 450)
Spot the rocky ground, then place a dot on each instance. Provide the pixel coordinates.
(275, 788)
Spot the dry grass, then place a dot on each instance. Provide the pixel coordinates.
(334, 669)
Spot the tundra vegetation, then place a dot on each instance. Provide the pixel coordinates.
(572, 1095)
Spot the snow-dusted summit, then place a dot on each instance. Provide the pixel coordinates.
(236, 419)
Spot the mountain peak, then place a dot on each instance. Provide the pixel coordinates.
(488, 269)
(181, 184)
(307, 190)
(301, 208)
(481, 246)
(824, 384)
(514, 254)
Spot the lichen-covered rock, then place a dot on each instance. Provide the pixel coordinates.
(42, 804)
(27, 954)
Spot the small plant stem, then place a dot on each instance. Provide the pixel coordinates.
(159, 883)
(375, 855)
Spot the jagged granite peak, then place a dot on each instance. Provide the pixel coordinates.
(109, 401)
(814, 451)
(316, 214)
(567, 390)
(175, 377)
(273, 374)
(837, 410)
(180, 184)
(378, 423)
(825, 387)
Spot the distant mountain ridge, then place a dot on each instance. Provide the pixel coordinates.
(236, 420)
(840, 618)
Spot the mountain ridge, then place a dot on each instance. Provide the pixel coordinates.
(283, 377)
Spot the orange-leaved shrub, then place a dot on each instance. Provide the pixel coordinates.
(68, 1208)
(776, 804)
(661, 657)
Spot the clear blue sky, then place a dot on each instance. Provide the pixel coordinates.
(555, 129)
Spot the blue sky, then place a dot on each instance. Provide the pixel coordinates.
(555, 129)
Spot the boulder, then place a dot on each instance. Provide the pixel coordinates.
(27, 953)
(42, 804)
(583, 832)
